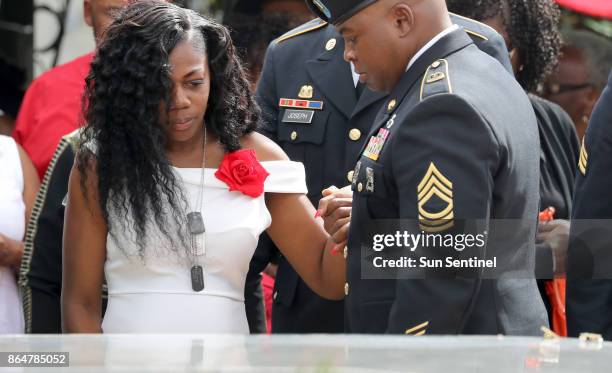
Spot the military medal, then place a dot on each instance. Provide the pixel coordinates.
(375, 144)
(300, 104)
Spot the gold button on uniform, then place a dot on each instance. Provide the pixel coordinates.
(346, 288)
(359, 187)
(293, 135)
(345, 253)
(391, 105)
(354, 134)
(349, 176)
(331, 43)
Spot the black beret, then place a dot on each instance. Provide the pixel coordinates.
(337, 11)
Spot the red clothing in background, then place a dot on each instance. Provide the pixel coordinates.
(51, 108)
(267, 283)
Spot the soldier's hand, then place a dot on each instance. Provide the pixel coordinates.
(555, 234)
(335, 209)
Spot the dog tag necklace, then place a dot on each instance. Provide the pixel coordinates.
(195, 224)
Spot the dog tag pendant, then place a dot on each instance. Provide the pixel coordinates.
(197, 278)
(195, 223)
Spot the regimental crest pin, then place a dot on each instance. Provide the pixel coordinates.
(356, 173)
(306, 91)
(369, 180)
(435, 201)
(438, 75)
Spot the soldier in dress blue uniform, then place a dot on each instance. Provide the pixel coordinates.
(315, 109)
(589, 289)
(456, 140)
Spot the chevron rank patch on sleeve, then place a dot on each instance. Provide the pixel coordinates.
(417, 330)
(435, 201)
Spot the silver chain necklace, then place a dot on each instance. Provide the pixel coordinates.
(195, 225)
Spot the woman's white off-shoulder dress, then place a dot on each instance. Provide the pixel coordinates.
(154, 295)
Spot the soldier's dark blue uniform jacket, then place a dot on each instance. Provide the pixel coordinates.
(456, 140)
(589, 301)
(306, 66)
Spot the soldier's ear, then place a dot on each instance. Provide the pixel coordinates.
(403, 17)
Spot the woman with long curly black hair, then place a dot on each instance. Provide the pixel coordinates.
(167, 196)
(530, 29)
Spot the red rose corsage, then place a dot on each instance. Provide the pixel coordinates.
(241, 171)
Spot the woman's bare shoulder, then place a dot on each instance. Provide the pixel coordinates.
(266, 149)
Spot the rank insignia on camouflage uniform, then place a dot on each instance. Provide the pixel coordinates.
(376, 144)
(584, 157)
(434, 184)
(417, 330)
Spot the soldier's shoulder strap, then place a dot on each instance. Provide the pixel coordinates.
(473, 27)
(436, 79)
(307, 27)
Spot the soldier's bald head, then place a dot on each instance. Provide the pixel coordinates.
(401, 29)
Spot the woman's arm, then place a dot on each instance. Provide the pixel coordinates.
(298, 234)
(303, 241)
(12, 250)
(31, 183)
(84, 253)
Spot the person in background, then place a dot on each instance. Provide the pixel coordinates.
(530, 28)
(584, 64)
(18, 186)
(11, 94)
(41, 267)
(589, 290)
(253, 25)
(453, 151)
(307, 63)
(52, 104)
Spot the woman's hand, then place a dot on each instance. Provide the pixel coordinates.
(335, 209)
(555, 234)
